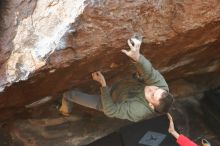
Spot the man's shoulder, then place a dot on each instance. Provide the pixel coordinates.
(140, 106)
(140, 110)
(159, 81)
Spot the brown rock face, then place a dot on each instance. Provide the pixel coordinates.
(50, 46)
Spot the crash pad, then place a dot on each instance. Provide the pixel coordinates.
(151, 132)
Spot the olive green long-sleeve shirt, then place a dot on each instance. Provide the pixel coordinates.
(132, 105)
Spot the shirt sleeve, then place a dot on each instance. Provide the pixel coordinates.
(184, 141)
(130, 110)
(150, 75)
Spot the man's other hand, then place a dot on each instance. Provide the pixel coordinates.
(171, 128)
(134, 52)
(97, 76)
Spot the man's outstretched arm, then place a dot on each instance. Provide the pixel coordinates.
(144, 67)
(150, 75)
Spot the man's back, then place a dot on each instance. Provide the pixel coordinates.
(125, 89)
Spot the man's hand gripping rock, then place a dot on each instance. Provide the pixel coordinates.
(97, 76)
(134, 52)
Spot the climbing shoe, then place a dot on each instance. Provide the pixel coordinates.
(66, 107)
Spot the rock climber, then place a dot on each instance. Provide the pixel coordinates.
(146, 94)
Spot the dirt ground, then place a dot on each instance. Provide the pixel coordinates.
(44, 126)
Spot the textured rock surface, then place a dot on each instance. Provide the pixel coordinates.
(47, 47)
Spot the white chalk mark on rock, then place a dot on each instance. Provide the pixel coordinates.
(178, 64)
(39, 102)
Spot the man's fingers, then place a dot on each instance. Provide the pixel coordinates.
(124, 51)
(130, 45)
(169, 117)
(94, 75)
(136, 42)
(99, 73)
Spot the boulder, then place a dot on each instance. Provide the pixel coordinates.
(50, 46)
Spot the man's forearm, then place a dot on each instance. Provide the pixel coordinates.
(109, 108)
(175, 134)
(144, 67)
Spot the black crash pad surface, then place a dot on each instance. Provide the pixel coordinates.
(113, 139)
(152, 132)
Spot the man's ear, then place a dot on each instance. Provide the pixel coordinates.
(151, 105)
